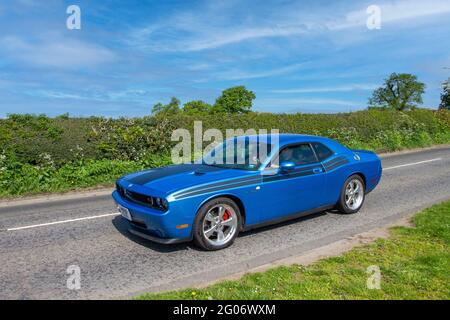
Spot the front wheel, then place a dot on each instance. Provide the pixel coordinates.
(352, 195)
(217, 224)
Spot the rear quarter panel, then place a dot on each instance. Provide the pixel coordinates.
(368, 165)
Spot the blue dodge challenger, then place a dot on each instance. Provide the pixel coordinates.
(211, 201)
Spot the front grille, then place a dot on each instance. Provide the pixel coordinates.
(138, 198)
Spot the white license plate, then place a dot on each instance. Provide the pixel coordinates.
(124, 212)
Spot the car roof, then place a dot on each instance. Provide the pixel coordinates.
(290, 138)
(284, 138)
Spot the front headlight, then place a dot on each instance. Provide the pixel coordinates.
(161, 203)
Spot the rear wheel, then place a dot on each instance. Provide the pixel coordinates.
(217, 224)
(352, 195)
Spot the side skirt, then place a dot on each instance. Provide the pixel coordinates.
(287, 218)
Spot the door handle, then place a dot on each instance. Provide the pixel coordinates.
(317, 170)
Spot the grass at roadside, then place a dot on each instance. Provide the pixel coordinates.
(29, 180)
(414, 264)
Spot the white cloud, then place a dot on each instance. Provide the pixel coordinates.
(397, 11)
(126, 95)
(198, 40)
(299, 102)
(220, 39)
(200, 32)
(346, 88)
(57, 52)
(198, 66)
(239, 75)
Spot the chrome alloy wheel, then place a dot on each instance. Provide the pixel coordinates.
(220, 224)
(354, 194)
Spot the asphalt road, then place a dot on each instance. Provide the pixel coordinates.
(35, 255)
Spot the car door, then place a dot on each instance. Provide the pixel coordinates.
(302, 189)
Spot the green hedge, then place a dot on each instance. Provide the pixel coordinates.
(40, 154)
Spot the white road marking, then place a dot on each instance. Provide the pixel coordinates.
(412, 164)
(63, 221)
(117, 213)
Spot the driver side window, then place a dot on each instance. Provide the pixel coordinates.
(300, 155)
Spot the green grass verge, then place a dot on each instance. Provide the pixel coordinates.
(28, 179)
(414, 264)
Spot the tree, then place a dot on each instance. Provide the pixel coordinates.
(196, 107)
(172, 107)
(234, 100)
(400, 91)
(445, 95)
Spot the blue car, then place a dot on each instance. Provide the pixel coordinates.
(211, 201)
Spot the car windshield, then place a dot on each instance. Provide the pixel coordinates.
(244, 154)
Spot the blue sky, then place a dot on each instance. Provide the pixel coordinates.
(308, 56)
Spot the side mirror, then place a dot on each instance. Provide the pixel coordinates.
(287, 166)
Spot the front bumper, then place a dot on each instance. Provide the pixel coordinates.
(154, 225)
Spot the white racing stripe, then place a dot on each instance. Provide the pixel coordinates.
(116, 213)
(63, 221)
(411, 164)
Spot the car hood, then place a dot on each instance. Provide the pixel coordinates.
(174, 178)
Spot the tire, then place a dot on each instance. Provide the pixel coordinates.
(217, 224)
(345, 204)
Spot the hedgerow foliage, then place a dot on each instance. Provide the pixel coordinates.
(41, 154)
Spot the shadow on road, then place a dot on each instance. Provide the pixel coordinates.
(285, 223)
(122, 226)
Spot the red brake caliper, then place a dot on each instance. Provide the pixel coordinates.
(226, 215)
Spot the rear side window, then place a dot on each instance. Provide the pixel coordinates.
(322, 152)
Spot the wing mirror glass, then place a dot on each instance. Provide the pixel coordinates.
(287, 166)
